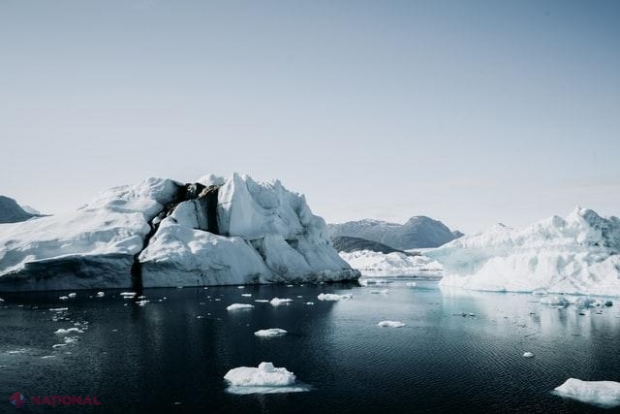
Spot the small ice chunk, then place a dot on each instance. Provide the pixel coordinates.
(265, 379)
(240, 287)
(71, 339)
(58, 309)
(128, 295)
(58, 345)
(411, 284)
(239, 306)
(380, 292)
(605, 394)
(278, 301)
(72, 294)
(309, 303)
(334, 297)
(246, 295)
(261, 300)
(555, 301)
(100, 294)
(63, 297)
(269, 333)
(391, 324)
(142, 302)
(67, 331)
(528, 355)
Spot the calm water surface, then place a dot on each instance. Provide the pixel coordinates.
(171, 356)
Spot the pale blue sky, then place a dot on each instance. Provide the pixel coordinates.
(471, 112)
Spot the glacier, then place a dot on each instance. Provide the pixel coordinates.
(162, 233)
(579, 254)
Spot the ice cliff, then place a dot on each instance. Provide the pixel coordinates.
(579, 254)
(161, 232)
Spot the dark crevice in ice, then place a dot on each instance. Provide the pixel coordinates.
(205, 199)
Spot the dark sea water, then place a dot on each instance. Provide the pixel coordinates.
(171, 356)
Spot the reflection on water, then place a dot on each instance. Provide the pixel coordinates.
(459, 351)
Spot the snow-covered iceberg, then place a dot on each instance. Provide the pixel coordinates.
(164, 233)
(376, 264)
(604, 394)
(579, 255)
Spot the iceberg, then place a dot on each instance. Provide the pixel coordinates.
(278, 301)
(377, 264)
(262, 380)
(239, 306)
(269, 333)
(332, 297)
(68, 331)
(162, 233)
(576, 255)
(391, 324)
(604, 394)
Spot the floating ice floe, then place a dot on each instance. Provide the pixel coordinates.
(100, 294)
(246, 295)
(71, 339)
(72, 294)
(268, 333)
(261, 300)
(528, 355)
(142, 302)
(555, 301)
(58, 309)
(67, 331)
(239, 306)
(376, 264)
(63, 297)
(604, 394)
(334, 297)
(309, 303)
(391, 324)
(265, 379)
(128, 295)
(372, 281)
(278, 301)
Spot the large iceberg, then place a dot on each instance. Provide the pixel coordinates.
(577, 255)
(377, 264)
(163, 233)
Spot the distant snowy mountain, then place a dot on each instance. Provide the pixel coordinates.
(417, 232)
(164, 233)
(579, 254)
(353, 244)
(11, 212)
